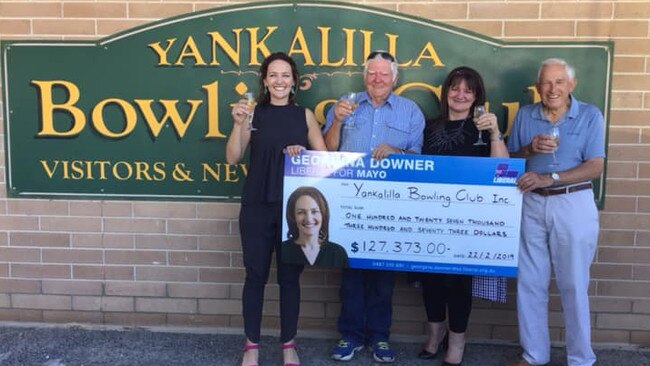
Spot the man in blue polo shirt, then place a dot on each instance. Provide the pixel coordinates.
(382, 124)
(559, 225)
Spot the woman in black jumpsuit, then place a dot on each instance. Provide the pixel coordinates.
(280, 127)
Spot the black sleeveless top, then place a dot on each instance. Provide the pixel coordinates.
(277, 127)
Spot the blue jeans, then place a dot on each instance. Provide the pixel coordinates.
(366, 305)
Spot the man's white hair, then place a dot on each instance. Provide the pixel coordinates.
(378, 56)
(570, 71)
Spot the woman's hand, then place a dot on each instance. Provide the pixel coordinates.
(240, 112)
(488, 122)
(294, 150)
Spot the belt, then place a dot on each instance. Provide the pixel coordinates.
(562, 190)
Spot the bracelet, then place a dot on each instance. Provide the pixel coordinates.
(402, 151)
(498, 138)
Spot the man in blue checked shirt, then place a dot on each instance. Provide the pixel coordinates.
(382, 124)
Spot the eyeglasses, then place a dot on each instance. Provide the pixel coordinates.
(381, 53)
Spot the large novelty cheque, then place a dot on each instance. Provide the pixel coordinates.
(419, 213)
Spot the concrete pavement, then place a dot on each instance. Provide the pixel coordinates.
(46, 345)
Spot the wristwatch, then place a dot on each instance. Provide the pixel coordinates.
(555, 176)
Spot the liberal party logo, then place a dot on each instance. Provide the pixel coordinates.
(503, 175)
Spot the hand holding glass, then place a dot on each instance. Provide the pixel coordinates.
(479, 110)
(555, 136)
(250, 101)
(350, 97)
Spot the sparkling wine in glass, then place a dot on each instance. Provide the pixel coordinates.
(479, 110)
(555, 136)
(351, 97)
(250, 101)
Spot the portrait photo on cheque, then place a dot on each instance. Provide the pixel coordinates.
(308, 216)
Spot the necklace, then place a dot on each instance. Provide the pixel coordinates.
(447, 135)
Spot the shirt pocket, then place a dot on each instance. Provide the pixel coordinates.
(397, 133)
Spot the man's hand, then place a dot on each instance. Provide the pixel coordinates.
(533, 180)
(543, 144)
(383, 151)
(342, 109)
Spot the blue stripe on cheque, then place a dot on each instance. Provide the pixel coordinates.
(393, 265)
(407, 168)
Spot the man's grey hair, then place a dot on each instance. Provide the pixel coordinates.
(393, 65)
(570, 71)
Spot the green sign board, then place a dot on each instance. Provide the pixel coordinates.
(145, 114)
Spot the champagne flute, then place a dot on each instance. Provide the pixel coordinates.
(250, 101)
(351, 97)
(555, 136)
(479, 110)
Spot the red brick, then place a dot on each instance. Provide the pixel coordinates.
(171, 242)
(98, 303)
(71, 224)
(134, 225)
(102, 272)
(104, 240)
(84, 317)
(72, 287)
(20, 255)
(134, 319)
(39, 239)
(623, 321)
(198, 227)
(152, 305)
(222, 307)
(611, 271)
(21, 315)
(168, 274)
(220, 242)
(40, 271)
(199, 259)
(204, 291)
(94, 10)
(18, 223)
(164, 210)
(195, 320)
(42, 302)
(29, 10)
(135, 257)
(72, 256)
(218, 211)
(66, 27)
(222, 275)
(37, 207)
(616, 238)
(122, 288)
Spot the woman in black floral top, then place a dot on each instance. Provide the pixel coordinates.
(454, 133)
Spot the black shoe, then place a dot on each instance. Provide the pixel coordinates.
(426, 355)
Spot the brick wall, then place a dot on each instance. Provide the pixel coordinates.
(179, 264)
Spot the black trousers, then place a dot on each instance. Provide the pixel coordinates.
(260, 227)
(444, 293)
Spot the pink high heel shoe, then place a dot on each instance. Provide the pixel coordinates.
(249, 347)
(291, 345)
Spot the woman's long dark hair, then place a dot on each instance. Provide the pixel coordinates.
(264, 98)
(474, 82)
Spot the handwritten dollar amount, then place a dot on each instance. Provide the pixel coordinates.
(410, 247)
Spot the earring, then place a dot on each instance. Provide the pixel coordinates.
(293, 89)
(266, 89)
(321, 235)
